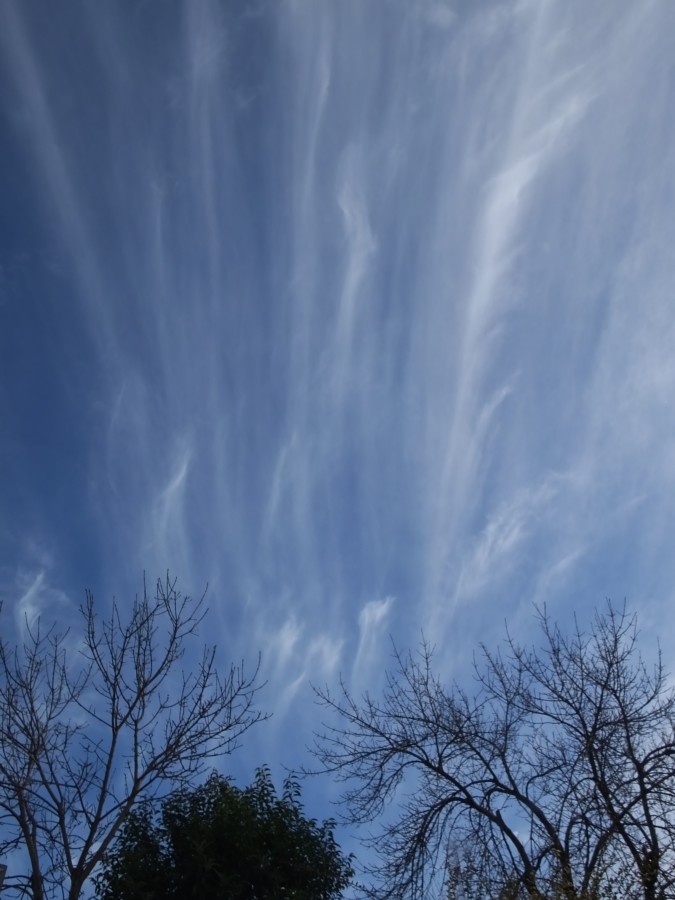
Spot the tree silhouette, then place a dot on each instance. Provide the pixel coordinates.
(554, 778)
(86, 733)
(225, 843)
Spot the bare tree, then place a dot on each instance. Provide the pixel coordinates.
(88, 728)
(555, 777)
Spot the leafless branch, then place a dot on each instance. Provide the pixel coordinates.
(556, 778)
(84, 736)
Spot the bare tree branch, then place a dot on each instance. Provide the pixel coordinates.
(556, 778)
(85, 736)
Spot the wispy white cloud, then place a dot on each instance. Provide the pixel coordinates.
(294, 655)
(35, 599)
(499, 546)
(166, 536)
(56, 169)
(380, 296)
(373, 623)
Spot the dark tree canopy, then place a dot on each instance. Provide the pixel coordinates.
(224, 843)
(553, 778)
(86, 731)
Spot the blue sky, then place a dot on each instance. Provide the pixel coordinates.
(361, 312)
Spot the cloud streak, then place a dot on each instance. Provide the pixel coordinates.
(353, 301)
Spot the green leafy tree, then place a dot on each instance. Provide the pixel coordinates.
(226, 843)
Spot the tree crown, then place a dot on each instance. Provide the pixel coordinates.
(555, 777)
(221, 841)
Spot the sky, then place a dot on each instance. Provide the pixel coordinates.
(361, 313)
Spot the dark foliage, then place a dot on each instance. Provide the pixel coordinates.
(224, 843)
